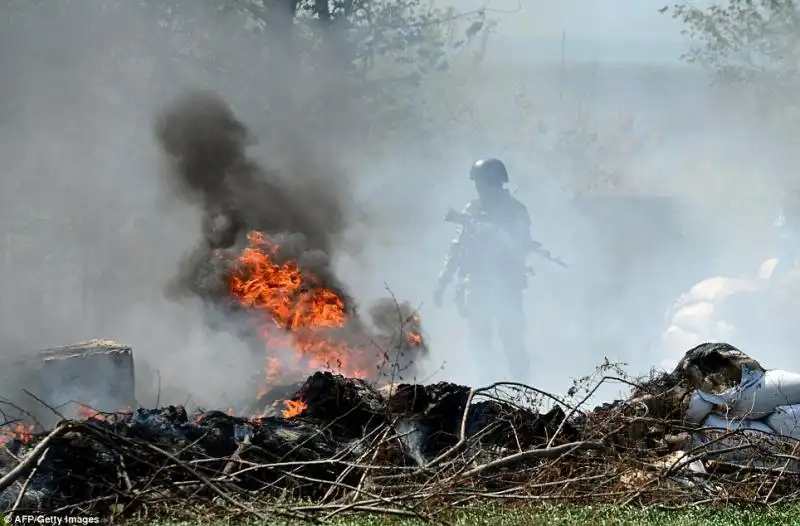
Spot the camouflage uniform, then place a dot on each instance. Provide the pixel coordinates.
(489, 256)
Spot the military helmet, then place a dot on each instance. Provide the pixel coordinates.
(490, 171)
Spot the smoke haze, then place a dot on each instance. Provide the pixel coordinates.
(95, 234)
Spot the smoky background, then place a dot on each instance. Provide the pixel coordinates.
(644, 178)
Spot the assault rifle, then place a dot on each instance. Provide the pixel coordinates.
(460, 218)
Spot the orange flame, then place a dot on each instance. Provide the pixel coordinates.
(84, 412)
(87, 413)
(293, 408)
(22, 432)
(299, 313)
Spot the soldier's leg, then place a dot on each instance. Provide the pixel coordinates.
(511, 326)
(480, 332)
(479, 322)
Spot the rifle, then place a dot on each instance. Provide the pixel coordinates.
(463, 219)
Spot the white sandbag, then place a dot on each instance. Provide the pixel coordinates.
(698, 409)
(759, 393)
(717, 421)
(785, 420)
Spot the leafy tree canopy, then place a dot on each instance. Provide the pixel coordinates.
(744, 40)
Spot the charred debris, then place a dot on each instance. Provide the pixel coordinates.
(347, 444)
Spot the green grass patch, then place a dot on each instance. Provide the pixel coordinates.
(542, 515)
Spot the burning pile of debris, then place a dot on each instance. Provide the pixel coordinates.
(348, 445)
(333, 436)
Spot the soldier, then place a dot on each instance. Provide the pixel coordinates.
(489, 254)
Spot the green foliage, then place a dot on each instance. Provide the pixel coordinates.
(377, 43)
(753, 49)
(398, 41)
(744, 40)
(380, 51)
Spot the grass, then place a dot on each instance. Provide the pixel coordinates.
(498, 515)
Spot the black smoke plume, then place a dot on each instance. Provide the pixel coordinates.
(210, 167)
(304, 211)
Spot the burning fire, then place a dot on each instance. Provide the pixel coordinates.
(84, 412)
(21, 432)
(87, 413)
(294, 408)
(25, 432)
(297, 312)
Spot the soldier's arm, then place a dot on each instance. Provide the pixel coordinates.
(452, 259)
